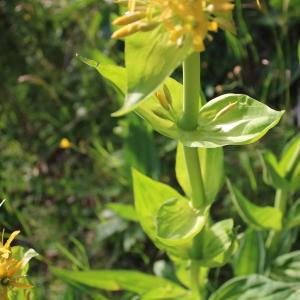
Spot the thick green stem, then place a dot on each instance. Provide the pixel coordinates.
(191, 96)
(189, 121)
(195, 177)
(194, 273)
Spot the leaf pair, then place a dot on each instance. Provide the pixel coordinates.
(227, 120)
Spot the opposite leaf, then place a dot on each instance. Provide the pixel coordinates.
(231, 119)
(257, 217)
(150, 58)
(149, 197)
(177, 222)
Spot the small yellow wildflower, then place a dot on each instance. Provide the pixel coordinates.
(5, 248)
(65, 144)
(181, 18)
(11, 268)
(10, 276)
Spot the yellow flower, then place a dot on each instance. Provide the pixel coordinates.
(10, 276)
(5, 248)
(181, 18)
(11, 268)
(65, 144)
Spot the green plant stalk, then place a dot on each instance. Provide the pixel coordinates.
(281, 198)
(194, 273)
(189, 121)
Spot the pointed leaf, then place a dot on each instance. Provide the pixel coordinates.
(250, 258)
(231, 119)
(290, 156)
(150, 58)
(257, 217)
(114, 280)
(272, 173)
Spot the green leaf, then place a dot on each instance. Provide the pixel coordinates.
(139, 147)
(177, 222)
(293, 216)
(168, 293)
(250, 257)
(257, 217)
(287, 267)
(256, 287)
(114, 280)
(150, 58)
(290, 155)
(215, 244)
(126, 211)
(212, 169)
(231, 119)
(116, 75)
(149, 195)
(272, 173)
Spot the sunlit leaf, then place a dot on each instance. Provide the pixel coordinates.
(178, 222)
(114, 280)
(149, 59)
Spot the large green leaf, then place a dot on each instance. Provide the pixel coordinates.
(114, 280)
(212, 169)
(250, 257)
(256, 287)
(149, 196)
(150, 58)
(231, 119)
(257, 217)
(177, 222)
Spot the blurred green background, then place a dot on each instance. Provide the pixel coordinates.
(71, 204)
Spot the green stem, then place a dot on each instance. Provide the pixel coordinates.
(191, 96)
(194, 273)
(195, 177)
(189, 122)
(273, 240)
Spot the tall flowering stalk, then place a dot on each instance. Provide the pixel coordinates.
(159, 36)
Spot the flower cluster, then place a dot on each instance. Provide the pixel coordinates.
(181, 18)
(11, 269)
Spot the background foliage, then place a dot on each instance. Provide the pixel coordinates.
(71, 204)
